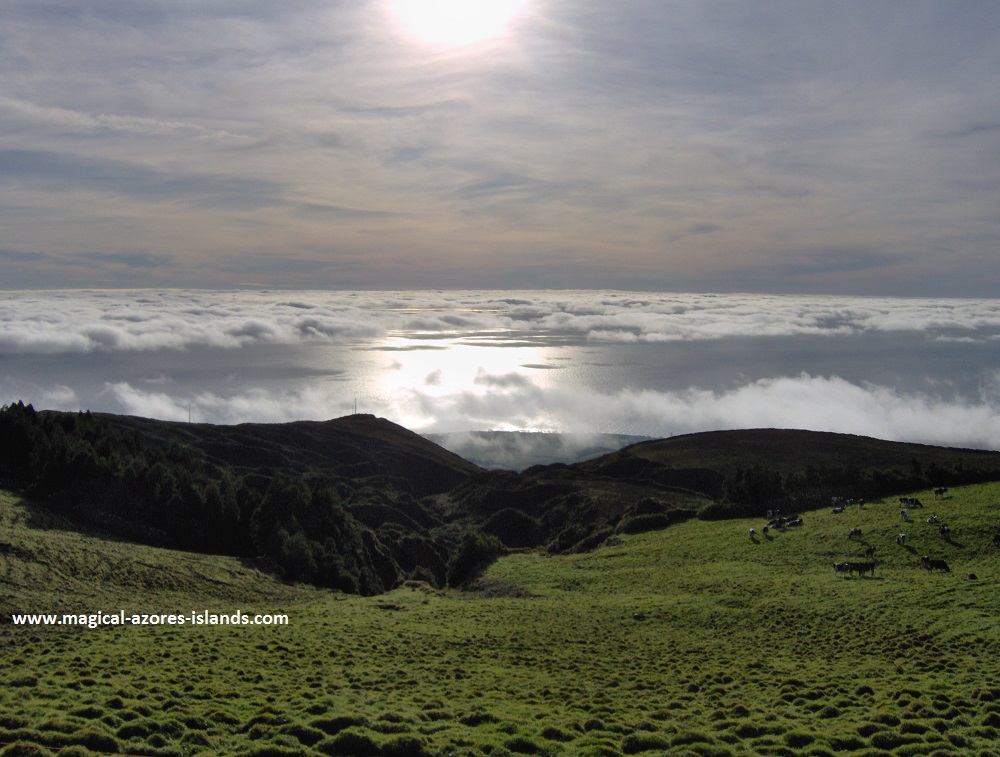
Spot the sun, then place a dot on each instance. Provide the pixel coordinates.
(455, 23)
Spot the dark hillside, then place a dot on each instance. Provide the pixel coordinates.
(758, 468)
(791, 451)
(566, 507)
(360, 503)
(357, 447)
(336, 503)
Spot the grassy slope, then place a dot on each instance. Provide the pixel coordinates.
(747, 647)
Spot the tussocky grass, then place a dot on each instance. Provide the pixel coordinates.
(692, 640)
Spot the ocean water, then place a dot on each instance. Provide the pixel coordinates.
(580, 362)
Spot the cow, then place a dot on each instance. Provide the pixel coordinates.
(870, 552)
(837, 510)
(941, 491)
(935, 564)
(841, 567)
(901, 540)
(933, 519)
(864, 567)
(753, 534)
(855, 533)
(904, 514)
(945, 533)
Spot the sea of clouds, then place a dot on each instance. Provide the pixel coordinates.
(913, 369)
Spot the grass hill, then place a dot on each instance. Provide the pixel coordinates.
(691, 640)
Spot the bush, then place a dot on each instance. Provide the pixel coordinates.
(405, 746)
(350, 744)
(645, 742)
(93, 739)
(475, 553)
(24, 749)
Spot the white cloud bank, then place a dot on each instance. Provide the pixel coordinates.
(515, 403)
(921, 370)
(144, 320)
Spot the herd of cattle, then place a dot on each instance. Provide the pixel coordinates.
(867, 566)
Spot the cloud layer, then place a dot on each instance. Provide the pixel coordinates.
(144, 320)
(583, 362)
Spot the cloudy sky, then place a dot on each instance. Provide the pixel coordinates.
(771, 146)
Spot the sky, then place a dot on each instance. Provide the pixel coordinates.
(847, 147)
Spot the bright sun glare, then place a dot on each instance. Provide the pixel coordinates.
(455, 23)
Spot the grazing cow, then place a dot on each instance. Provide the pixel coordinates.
(855, 533)
(841, 567)
(752, 533)
(901, 540)
(864, 567)
(935, 564)
(870, 552)
(904, 514)
(837, 510)
(945, 532)
(795, 522)
(933, 519)
(941, 492)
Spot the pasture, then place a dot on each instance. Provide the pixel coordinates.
(698, 639)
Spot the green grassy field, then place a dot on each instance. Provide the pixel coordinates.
(743, 646)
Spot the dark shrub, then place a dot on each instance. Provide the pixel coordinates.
(515, 528)
(350, 744)
(478, 718)
(134, 730)
(799, 739)
(405, 746)
(637, 743)
(304, 733)
(846, 744)
(23, 749)
(475, 553)
(333, 726)
(556, 734)
(271, 750)
(93, 739)
(521, 745)
(642, 523)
